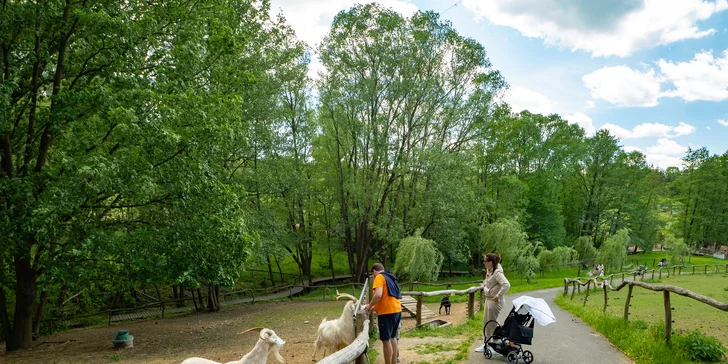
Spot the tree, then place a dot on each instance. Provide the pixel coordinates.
(614, 250)
(678, 248)
(418, 259)
(393, 87)
(584, 247)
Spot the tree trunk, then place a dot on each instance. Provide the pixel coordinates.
(199, 298)
(362, 251)
(26, 290)
(213, 304)
(180, 296)
(270, 270)
(275, 258)
(39, 314)
(331, 262)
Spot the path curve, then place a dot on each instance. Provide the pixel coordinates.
(567, 341)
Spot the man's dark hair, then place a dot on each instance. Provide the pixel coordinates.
(379, 267)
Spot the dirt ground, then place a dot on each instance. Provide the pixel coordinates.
(212, 336)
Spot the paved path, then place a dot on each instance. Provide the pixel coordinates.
(567, 341)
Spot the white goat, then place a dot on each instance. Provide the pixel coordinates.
(267, 341)
(336, 335)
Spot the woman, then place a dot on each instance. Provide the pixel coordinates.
(495, 286)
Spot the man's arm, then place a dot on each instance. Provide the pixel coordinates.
(377, 296)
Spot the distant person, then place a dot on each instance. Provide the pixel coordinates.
(495, 286)
(388, 308)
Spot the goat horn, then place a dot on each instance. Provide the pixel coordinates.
(339, 295)
(256, 329)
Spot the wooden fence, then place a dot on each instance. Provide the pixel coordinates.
(469, 291)
(664, 288)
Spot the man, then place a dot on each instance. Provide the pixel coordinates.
(388, 308)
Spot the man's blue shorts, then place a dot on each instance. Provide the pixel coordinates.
(388, 325)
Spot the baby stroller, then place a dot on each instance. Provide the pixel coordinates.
(517, 330)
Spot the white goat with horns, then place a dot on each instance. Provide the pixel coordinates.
(337, 334)
(267, 342)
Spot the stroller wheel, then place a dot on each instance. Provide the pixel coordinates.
(512, 357)
(527, 357)
(488, 353)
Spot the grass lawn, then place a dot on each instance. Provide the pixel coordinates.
(642, 337)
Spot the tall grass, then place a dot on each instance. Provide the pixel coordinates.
(642, 342)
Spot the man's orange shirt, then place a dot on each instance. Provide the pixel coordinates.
(387, 304)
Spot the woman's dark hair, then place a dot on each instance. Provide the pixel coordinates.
(495, 258)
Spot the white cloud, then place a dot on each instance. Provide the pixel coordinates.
(589, 104)
(584, 121)
(722, 122)
(602, 28)
(667, 147)
(707, 127)
(684, 129)
(652, 129)
(649, 130)
(524, 99)
(661, 155)
(624, 86)
(663, 161)
(705, 77)
(702, 78)
(617, 131)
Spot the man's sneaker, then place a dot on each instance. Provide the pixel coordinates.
(480, 349)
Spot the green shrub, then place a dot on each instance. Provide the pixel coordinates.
(700, 347)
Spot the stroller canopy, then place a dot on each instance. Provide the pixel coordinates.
(537, 307)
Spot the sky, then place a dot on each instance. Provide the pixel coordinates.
(652, 72)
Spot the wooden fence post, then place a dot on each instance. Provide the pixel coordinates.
(626, 303)
(566, 287)
(419, 310)
(693, 270)
(679, 270)
(706, 269)
(668, 316)
(605, 298)
(586, 297)
(471, 305)
(573, 290)
(660, 272)
(110, 314)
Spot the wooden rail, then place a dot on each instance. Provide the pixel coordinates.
(469, 291)
(666, 289)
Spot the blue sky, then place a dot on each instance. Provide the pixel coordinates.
(653, 72)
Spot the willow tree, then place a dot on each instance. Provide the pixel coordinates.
(393, 86)
(418, 259)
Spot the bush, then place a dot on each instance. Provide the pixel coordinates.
(700, 347)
